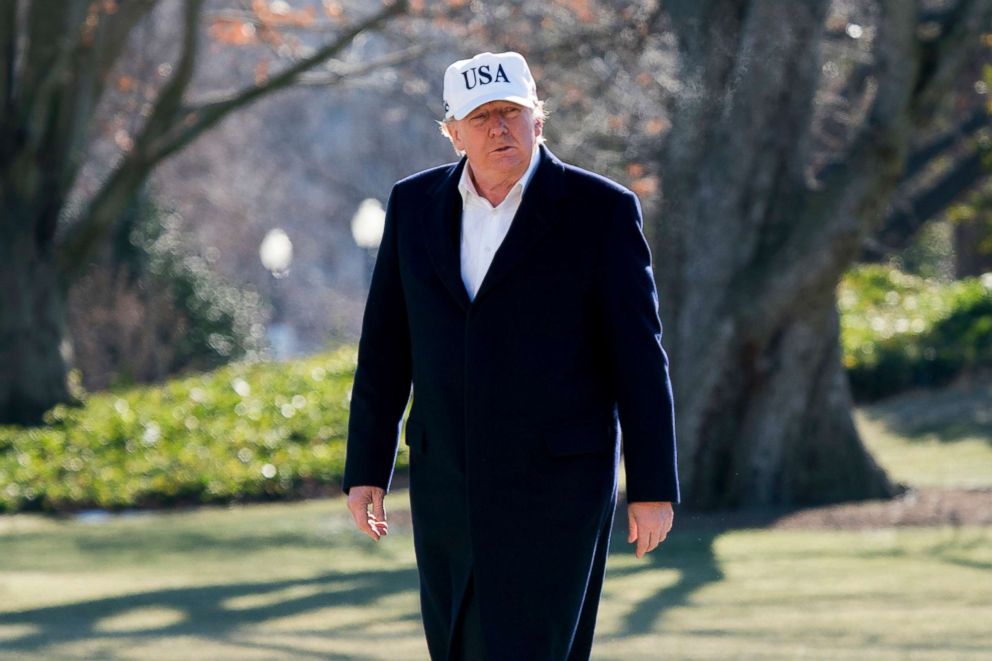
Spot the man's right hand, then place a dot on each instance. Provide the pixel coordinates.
(371, 523)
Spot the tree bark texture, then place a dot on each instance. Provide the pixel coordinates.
(749, 245)
(32, 368)
(973, 244)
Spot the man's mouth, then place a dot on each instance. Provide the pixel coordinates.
(503, 148)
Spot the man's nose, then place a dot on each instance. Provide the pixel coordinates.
(498, 126)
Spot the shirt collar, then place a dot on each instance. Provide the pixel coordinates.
(467, 187)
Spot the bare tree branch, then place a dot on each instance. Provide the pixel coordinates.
(170, 99)
(59, 80)
(118, 189)
(199, 118)
(61, 60)
(907, 217)
(52, 47)
(171, 127)
(924, 154)
(906, 220)
(247, 15)
(389, 60)
(953, 44)
(858, 185)
(46, 37)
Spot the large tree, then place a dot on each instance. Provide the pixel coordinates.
(754, 233)
(56, 59)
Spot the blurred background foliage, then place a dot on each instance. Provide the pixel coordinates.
(177, 288)
(243, 432)
(152, 307)
(901, 331)
(173, 292)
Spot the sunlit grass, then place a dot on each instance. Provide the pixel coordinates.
(294, 581)
(939, 438)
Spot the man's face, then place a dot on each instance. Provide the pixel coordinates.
(498, 137)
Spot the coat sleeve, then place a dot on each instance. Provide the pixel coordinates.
(383, 377)
(638, 360)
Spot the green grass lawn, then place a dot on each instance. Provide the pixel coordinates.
(294, 581)
(933, 438)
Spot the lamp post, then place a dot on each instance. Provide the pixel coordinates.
(367, 226)
(276, 253)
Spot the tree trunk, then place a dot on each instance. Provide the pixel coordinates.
(56, 57)
(750, 243)
(778, 427)
(32, 313)
(973, 242)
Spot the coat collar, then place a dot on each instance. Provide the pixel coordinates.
(536, 215)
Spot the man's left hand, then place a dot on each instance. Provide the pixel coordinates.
(649, 524)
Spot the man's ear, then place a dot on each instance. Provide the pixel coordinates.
(538, 128)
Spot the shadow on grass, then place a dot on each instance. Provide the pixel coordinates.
(205, 613)
(688, 551)
(83, 546)
(947, 414)
(947, 552)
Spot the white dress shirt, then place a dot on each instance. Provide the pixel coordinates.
(484, 226)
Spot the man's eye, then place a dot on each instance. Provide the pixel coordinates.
(512, 112)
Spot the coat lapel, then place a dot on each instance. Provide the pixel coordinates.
(444, 234)
(533, 219)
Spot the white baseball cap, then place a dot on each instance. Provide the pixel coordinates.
(487, 77)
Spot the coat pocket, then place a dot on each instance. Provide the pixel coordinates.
(580, 438)
(415, 436)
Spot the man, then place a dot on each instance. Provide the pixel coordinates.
(515, 294)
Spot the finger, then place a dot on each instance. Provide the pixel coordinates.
(359, 512)
(367, 527)
(653, 540)
(381, 530)
(379, 509)
(662, 536)
(381, 527)
(642, 543)
(378, 518)
(631, 528)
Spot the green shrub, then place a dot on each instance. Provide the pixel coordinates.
(901, 331)
(224, 322)
(246, 431)
(151, 306)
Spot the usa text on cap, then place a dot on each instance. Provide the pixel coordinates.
(487, 77)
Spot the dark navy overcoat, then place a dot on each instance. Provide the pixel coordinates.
(517, 401)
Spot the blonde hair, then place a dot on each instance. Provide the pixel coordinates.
(539, 111)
